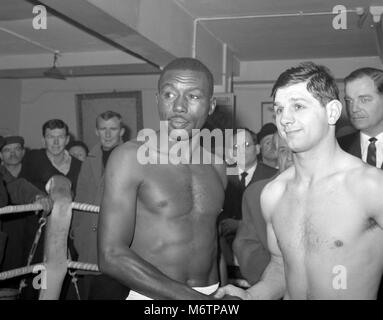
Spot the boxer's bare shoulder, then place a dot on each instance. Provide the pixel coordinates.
(129, 151)
(273, 192)
(123, 164)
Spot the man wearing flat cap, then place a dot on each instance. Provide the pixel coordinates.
(15, 190)
(19, 190)
(269, 154)
(12, 153)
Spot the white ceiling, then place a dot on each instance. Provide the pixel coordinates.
(279, 38)
(17, 16)
(252, 39)
(59, 35)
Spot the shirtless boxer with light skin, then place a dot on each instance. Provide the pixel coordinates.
(324, 212)
(157, 227)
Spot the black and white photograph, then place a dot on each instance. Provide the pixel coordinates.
(191, 150)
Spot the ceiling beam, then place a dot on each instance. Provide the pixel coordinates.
(102, 25)
(83, 71)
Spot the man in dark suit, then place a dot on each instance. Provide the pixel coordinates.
(249, 170)
(250, 244)
(364, 103)
(19, 191)
(15, 190)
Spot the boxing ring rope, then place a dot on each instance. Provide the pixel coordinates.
(20, 208)
(56, 263)
(38, 266)
(36, 207)
(19, 271)
(85, 207)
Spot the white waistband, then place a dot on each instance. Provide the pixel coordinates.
(134, 295)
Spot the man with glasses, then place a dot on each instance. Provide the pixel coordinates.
(249, 171)
(250, 243)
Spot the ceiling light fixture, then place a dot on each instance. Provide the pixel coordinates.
(377, 12)
(362, 14)
(54, 72)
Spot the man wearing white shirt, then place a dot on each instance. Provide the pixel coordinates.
(364, 102)
(249, 171)
(364, 144)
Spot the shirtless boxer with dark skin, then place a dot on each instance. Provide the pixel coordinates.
(324, 215)
(157, 227)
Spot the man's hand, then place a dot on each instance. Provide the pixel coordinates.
(228, 226)
(229, 292)
(45, 201)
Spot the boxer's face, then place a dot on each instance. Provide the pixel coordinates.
(184, 101)
(301, 119)
(364, 105)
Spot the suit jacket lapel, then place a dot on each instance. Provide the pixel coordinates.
(258, 173)
(355, 146)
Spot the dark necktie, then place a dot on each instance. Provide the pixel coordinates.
(243, 179)
(371, 152)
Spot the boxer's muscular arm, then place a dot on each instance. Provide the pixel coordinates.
(116, 229)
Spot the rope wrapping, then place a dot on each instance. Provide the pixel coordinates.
(21, 208)
(19, 271)
(85, 207)
(83, 266)
(29, 269)
(36, 207)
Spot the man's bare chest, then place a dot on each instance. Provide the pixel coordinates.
(316, 220)
(181, 190)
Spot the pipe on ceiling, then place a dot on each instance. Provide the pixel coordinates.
(37, 44)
